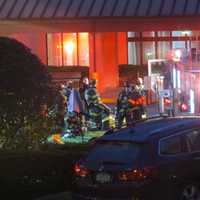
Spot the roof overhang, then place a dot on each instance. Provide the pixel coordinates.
(120, 24)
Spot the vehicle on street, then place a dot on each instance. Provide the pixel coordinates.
(154, 159)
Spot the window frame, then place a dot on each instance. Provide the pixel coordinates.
(157, 38)
(62, 49)
(166, 138)
(182, 134)
(185, 138)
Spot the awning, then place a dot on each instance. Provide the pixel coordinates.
(93, 9)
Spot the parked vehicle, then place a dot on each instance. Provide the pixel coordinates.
(156, 159)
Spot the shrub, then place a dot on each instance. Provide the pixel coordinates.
(24, 93)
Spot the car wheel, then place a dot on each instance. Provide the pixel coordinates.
(190, 192)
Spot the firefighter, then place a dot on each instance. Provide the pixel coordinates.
(137, 101)
(82, 90)
(74, 114)
(105, 116)
(91, 95)
(60, 107)
(140, 86)
(93, 112)
(140, 89)
(123, 106)
(73, 124)
(98, 113)
(83, 87)
(68, 89)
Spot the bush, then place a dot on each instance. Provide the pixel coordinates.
(24, 93)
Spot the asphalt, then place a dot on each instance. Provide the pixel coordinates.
(60, 196)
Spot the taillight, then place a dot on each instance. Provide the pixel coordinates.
(183, 107)
(80, 170)
(137, 174)
(167, 101)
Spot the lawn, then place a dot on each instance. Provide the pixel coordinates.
(58, 138)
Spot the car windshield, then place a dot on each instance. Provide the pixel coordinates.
(113, 152)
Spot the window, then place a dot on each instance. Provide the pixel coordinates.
(54, 49)
(159, 67)
(83, 49)
(68, 49)
(133, 34)
(170, 146)
(163, 33)
(163, 49)
(180, 35)
(148, 34)
(193, 141)
(178, 45)
(148, 51)
(195, 50)
(134, 53)
(113, 152)
(143, 46)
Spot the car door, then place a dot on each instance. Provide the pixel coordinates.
(171, 154)
(192, 151)
(173, 162)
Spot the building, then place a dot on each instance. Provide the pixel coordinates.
(101, 36)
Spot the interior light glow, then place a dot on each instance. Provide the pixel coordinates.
(192, 104)
(178, 79)
(84, 34)
(174, 77)
(177, 55)
(184, 107)
(186, 33)
(69, 47)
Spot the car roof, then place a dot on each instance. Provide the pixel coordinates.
(142, 131)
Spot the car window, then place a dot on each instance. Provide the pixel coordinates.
(113, 151)
(193, 140)
(170, 145)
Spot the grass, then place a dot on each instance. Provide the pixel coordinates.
(85, 138)
(57, 138)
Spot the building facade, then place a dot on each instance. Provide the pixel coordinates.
(102, 36)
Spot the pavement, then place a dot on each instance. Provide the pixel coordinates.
(60, 196)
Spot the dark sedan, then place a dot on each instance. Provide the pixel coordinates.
(155, 159)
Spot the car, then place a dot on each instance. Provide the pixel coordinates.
(154, 159)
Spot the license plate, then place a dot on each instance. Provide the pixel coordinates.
(103, 178)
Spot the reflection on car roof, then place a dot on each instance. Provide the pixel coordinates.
(141, 132)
